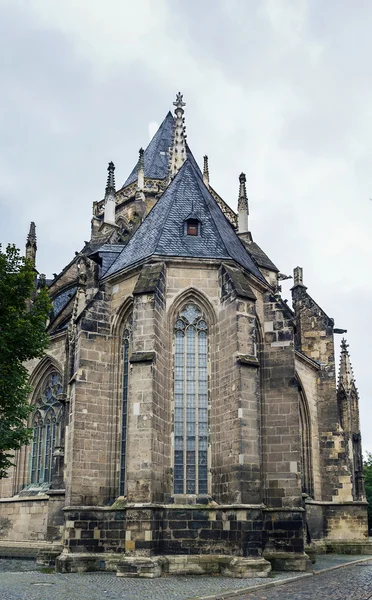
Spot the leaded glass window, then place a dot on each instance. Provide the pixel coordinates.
(46, 425)
(124, 419)
(191, 402)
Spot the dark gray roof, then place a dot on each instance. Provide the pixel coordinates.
(106, 255)
(156, 156)
(240, 282)
(259, 256)
(162, 231)
(62, 299)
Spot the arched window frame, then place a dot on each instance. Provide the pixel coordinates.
(45, 422)
(126, 349)
(191, 401)
(306, 444)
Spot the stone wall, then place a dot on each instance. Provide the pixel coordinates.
(24, 519)
(343, 522)
(89, 398)
(165, 530)
(280, 421)
(307, 374)
(314, 337)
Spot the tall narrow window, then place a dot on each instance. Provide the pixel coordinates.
(124, 420)
(46, 420)
(306, 450)
(191, 402)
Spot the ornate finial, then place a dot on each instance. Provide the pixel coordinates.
(141, 170)
(206, 171)
(42, 280)
(140, 202)
(344, 345)
(110, 196)
(346, 375)
(141, 159)
(111, 177)
(242, 186)
(178, 149)
(243, 210)
(179, 103)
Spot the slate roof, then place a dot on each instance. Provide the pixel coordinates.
(259, 256)
(106, 255)
(62, 299)
(162, 231)
(156, 156)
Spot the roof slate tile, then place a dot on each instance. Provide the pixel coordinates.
(162, 233)
(156, 155)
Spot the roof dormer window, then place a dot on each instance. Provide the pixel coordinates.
(192, 227)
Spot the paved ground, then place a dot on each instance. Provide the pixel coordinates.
(349, 583)
(23, 580)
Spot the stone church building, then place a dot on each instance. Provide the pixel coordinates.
(185, 419)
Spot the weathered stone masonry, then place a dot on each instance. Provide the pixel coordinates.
(177, 367)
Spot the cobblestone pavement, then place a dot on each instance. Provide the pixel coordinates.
(23, 580)
(349, 583)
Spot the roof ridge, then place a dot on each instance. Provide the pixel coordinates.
(200, 183)
(205, 189)
(149, 161)
(170, 204)
(161, 233)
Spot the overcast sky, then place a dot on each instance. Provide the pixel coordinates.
(279, 89)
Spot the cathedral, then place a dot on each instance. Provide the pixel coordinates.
(185, 419)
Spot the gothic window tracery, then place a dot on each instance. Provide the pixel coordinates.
(46, 425)
(191, 422)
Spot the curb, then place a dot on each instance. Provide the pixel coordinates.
(270, 584)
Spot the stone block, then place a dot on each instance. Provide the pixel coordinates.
(140, 566)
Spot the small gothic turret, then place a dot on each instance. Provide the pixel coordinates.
(348, 403)
(243, 210)
(178, 150)
(31, 246)
(141, 171)
(206, 171)
(346, 375)
(140, 199)
(298, 277)
(110, 195)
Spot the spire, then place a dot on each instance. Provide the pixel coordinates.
(141, 170)
(31, 246)
(178, 149)
(243, 210)
(31, 238)
(206, 171)
(110, 177)
(110, 195)
(140, 201)
(346, 376)
(348, 397)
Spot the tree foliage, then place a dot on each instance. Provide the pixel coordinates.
(23, 336)
(368, 484)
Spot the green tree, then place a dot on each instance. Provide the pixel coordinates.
(23, 336)
(367, 463)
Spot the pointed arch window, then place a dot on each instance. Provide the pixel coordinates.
(306, 448)
(191, 421)
(46, 425)
(124, 419)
